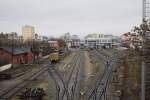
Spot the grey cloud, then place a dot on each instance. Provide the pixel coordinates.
(76, 16)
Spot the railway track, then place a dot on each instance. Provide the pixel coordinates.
(66, 88)
(73, 82)
(59, 82)
(99, 90)
(16, 72)
(73, 64)
(8, 93)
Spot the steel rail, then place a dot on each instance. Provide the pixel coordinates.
(17, 87)
(75, 69)
(53, 71)
(103, 81)
(73, 88)
(74, 61)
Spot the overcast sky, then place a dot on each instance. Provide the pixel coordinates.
(55, 17)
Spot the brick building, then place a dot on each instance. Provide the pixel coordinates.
(17, 55)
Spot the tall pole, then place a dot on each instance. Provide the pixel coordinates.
(143, 81)
(145, 5)
(12, 49)
(33, 51)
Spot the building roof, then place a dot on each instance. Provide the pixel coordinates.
(17, 50)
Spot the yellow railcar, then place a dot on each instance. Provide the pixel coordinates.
(54, 57)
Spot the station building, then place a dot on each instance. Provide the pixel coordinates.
(98, 40)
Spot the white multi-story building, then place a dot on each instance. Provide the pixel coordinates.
(75, 41)
(98, 40)
(72, 41)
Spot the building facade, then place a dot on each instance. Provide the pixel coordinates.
(19, 55)
(75, 41)
(72, 41)
(54, 44)
(98, 40)
(28, 33)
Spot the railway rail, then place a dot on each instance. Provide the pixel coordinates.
(74, 77)
(99, 90)
(73, 64)
(69, 86)
(8, 93)
(59, 82)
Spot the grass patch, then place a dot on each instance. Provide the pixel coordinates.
(99, 66)
(108, 52)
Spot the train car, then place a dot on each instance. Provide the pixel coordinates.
(5, 67)
(54, 57)
(5, 76)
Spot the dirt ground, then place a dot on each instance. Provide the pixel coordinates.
(88, 72)
(88, 68)
(63, 64)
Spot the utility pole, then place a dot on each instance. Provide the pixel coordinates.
(143, 81)
(145, 16)
(143, 65)
(12, 49)
(33, 48)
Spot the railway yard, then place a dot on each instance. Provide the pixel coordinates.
(82, 75)
(75, 50)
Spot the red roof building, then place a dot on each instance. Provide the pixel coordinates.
(19, 55)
